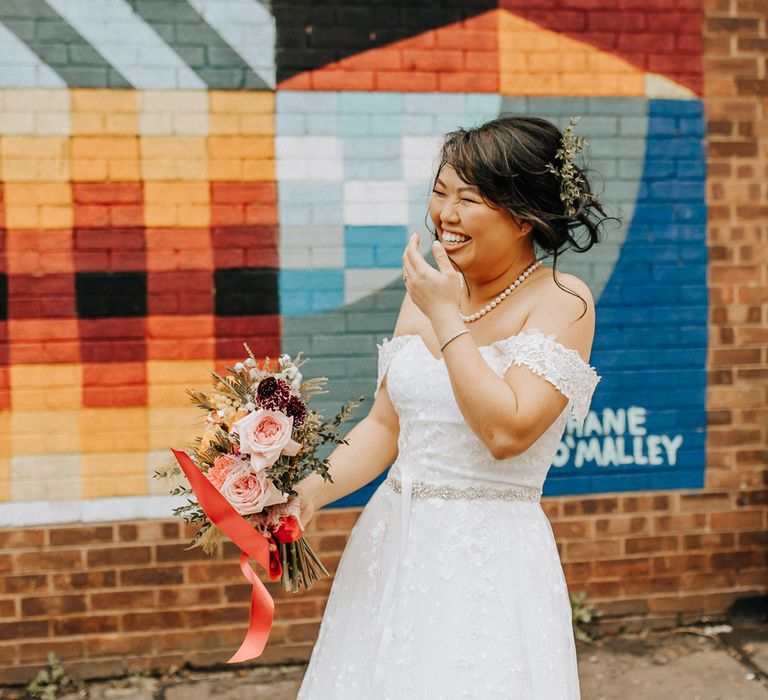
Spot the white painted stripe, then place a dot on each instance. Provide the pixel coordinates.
(96, 510)
(248, 27)
(20, 67)
(660, 87)
(126, 41)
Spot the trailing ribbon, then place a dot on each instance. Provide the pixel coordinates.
(251, 543)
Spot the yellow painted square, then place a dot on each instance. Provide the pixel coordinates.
(34, 158)
(104, 111)
(46, 387)
(114, 429)
(167, 380)
(110, 474)
(45, 477)
(38, 205)
(174, 427)
(37, 112)
(242, 158)
(241, 112)
(157, 460)
(173, 159)
(176, 204)
(105, 158)
(5, 479)
(173, 113)
(45, 432)
(5, 455)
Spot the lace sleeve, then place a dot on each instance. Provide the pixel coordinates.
(563, 367)
(387, 350)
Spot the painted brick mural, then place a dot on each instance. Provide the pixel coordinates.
(180, 176)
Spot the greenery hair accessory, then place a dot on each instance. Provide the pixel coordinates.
(570, 177)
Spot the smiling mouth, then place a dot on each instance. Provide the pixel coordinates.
(454, 241)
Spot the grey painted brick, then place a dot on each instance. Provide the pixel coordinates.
(558, 106)
(362, 366)
(153, 10)
(328, 323)
(595, 126)
(19, 8)
(195, 56)
(24, 29)
(87, 77)
(348, 344)
(375, 322)
(390, 298)
(56, 54)
(166, 31)
(83, 56)
(635, 106)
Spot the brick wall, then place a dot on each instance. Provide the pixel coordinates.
(292, 166)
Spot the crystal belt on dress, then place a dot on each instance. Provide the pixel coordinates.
(422, 489)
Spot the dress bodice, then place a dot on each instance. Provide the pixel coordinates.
(436, 444)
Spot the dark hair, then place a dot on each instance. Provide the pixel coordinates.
(506, 159)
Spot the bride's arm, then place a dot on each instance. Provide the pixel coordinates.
(372, 448)
(508, 414)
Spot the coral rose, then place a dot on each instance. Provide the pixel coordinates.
(250, 493)
(265, 435)
(221, 469)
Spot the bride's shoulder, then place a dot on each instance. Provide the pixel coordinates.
(564, 289)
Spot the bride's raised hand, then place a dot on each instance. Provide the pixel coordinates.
(434, 291)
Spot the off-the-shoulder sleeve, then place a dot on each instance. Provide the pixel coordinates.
(563, 367)
(388, 348)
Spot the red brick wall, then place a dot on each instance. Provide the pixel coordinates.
(117, 597)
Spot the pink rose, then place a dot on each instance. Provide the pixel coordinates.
(250, 493)
(221, 469)
(265, 435)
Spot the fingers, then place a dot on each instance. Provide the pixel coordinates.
(441, 258)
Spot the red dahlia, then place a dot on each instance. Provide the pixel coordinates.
(297, 409)
(273, 394)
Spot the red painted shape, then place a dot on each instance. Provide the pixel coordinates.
(262, 333)
(443, 59)
(110, 384)
(653, 35)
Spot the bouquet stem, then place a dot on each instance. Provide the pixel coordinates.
(301, 566)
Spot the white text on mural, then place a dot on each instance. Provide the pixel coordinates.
(614, 438)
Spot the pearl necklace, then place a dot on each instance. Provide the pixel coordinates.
(492, 305)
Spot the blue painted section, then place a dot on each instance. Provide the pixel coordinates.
(375, 246)
(651, 337)
(310, 291)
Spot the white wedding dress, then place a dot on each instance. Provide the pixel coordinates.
(451, 585)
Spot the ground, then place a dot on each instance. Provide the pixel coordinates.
(722, 660)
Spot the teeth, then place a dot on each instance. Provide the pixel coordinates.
(454, 238)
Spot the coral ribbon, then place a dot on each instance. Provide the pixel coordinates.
(251, 543)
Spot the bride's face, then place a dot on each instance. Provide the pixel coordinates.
(475, 235)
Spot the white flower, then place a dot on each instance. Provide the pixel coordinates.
(250, 362)
(253, 373)
(239, 366)
(250, 406)
(284, 360)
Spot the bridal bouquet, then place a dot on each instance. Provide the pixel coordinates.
(260, 440)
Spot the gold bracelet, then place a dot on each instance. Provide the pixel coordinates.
(461, 332)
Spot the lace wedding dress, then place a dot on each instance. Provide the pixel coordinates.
(451, 585)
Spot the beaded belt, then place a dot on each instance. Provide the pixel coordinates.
(422, 489)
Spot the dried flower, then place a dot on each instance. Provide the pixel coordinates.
(570, 177)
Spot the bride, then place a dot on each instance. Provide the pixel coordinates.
(451, 585)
